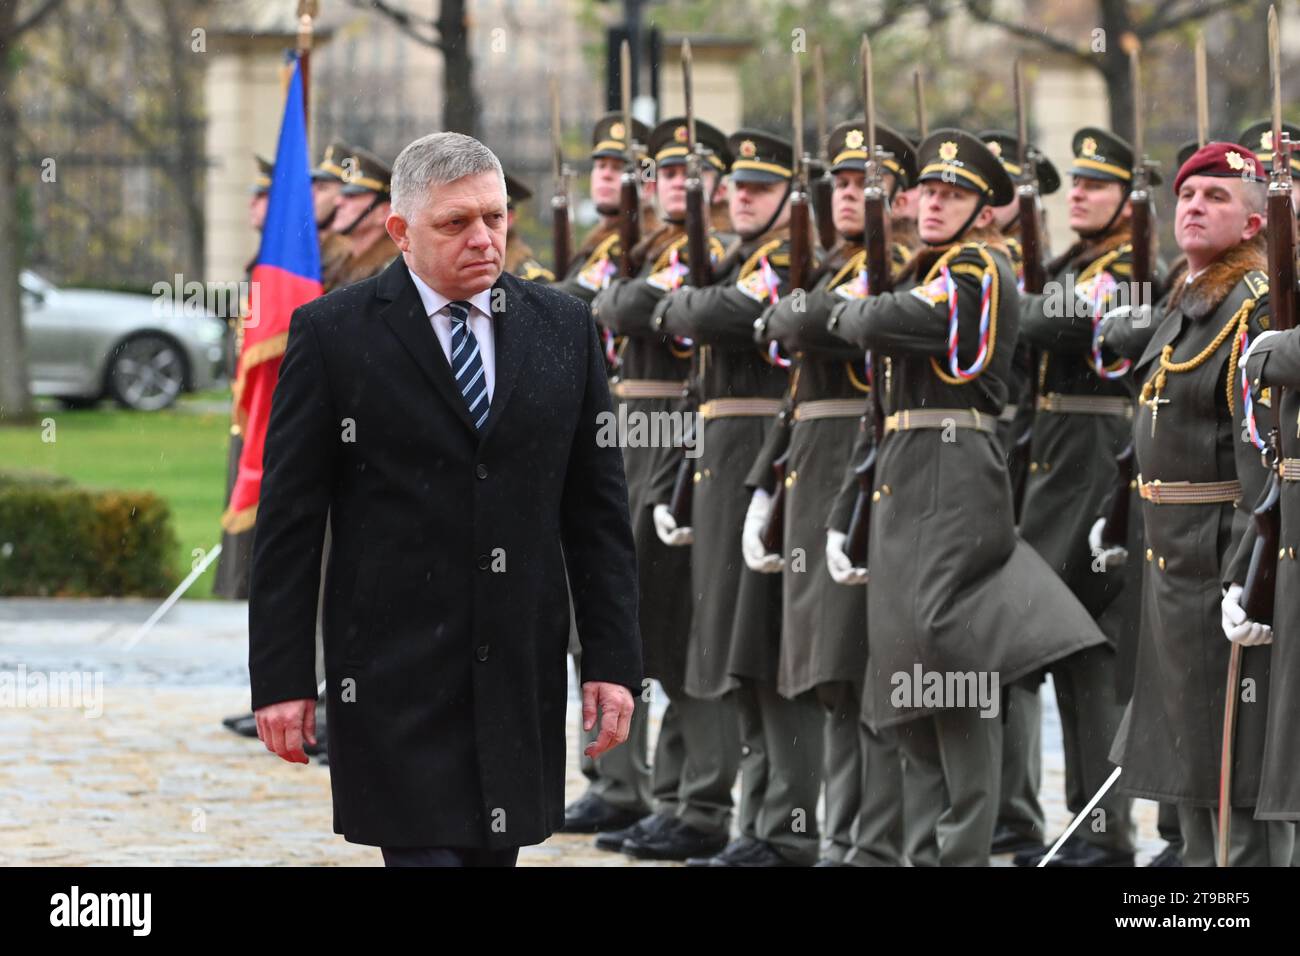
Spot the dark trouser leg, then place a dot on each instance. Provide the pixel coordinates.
(879, 834)
(1090, 715)
(448, 856)
(620, 777)
(1022, 763)
(711, 756)
(967, 750)
(1167, 825)
(792, 735)
(842, 767)
(669, 759)
(1251, 842)
(753, 756)
(925, 797)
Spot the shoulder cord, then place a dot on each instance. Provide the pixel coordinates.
(988, 313)
(1239, 323)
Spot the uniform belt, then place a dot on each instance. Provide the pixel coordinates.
(1289, 469)
(741, 408)
(648, 388)
(1115, 405)
(1189, 492)
(912, 418)
(829, 408)
(1008, 413)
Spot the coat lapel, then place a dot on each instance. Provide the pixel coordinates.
(511, 334)
(404, 314)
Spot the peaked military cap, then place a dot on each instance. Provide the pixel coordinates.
(330, 168)
(609, 137)
(516, 191)
(364, 172)
(760, 157)
(1099, 154)
(955, 156)
(847, 148)
(1006, 147)
(262, 181)
(1260, 139)
(667, 143)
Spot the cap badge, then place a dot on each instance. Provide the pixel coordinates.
(1234, 160)
(616, 130)
(679, 134)
(854, 139)
(948, 151)
(1088, 147)
(748, 150)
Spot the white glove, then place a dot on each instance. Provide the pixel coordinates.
(838, 563)
(1245, 356)
(757, 557)
(1111, 557)
(1239, 628)
(667, 529)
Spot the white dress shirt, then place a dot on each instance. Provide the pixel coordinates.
(480, 323)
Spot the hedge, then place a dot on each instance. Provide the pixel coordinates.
(57, 540)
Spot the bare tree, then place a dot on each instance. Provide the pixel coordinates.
(15, 391)
(447, 32)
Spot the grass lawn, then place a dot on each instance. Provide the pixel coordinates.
(179, 454)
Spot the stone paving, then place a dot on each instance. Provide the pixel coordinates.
(146, 775)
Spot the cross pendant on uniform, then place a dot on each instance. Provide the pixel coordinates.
(1155, 411)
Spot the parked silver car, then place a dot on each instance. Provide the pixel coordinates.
(84, 345)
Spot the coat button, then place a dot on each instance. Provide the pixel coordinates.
(482, 652)
(484, 562)
(1161, 562)
(481, 471)
(1150, 554)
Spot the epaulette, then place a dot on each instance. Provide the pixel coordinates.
(756, 257)
(851, 268)
(532, 271)
(606, 248)
(1257, 282)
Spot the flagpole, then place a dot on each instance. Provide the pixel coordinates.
(307, 10)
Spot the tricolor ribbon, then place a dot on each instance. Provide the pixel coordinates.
(1247, 404)
(772, 282)
(986, 299)
(1099, 296)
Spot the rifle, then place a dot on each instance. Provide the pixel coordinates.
(629, 203)
(560, 198)
(699, 266)
(822, 187)
(773, 531)
(1259, 589)
(1031, 245)
(1114, 534)
(876, 241)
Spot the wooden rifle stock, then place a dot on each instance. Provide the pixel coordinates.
(800, 236)
(629, 221)
(683, 490)
(859, 534)
(1257, 594)
(773, 533)
(1114, 534)
(560, 234)
(822, 196)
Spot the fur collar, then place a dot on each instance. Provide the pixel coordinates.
(1204, 294)
(1086, 251)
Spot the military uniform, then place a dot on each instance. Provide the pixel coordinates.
(1081, 423)
(366, 173)
(1198, 483)
(519, 258)
(619, 781)
(736, 624)
(333, 247)
(824, 625)
(953, 590)
(695, 754)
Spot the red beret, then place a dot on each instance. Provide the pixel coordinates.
(1222, 159)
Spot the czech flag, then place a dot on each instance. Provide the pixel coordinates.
(286, 274)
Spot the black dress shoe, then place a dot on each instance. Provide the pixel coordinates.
(1169, 856)
(1032, 856)
(612, 840)
(243, 724)
(765, 855)
(1089, 854)
(729, 855)
(1007, 840)
(591, 814)
(678, 842)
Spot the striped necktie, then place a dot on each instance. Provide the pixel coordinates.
(467, 364)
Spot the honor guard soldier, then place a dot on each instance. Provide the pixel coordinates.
(824, 625)
(1198, 483)
(953, 589)
(695, 755)
(1083, 420)
(363, 209)
(1259, 137)
(520, 260)
(326, 189)
(736, 626)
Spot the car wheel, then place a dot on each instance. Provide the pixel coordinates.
(146, 373)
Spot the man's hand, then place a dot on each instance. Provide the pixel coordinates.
(1239, 628)
(615, 704)
(838, 563)
(757, 557)
(667, 530)
(284, 726)
(1111, 557)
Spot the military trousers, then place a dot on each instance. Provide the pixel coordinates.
(1022, 763)
(697, 756)
(1251, 842)
(780, 768)
(965, 751)
(620, 777)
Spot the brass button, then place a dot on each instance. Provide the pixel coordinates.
(789, 481)
(1132, 485)
(1290, 553)
(1161, 563)
(1281, 553)
(1150, 554)
(875, 496)
(1033, 467)
(1047, 466)
(885, 489)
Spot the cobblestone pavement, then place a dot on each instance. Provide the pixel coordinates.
(154, 779)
